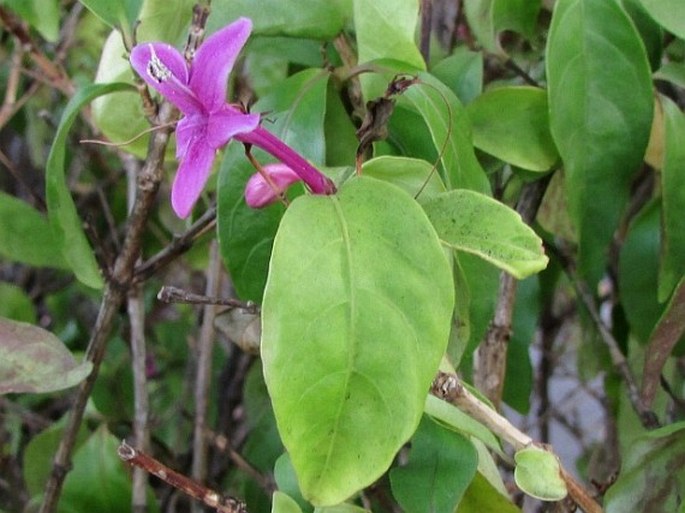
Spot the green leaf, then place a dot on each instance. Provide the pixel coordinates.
(15, 304)
(341, 508)
(512, 123)
(462, 72)
(25, 235)
(672, 263)
(637, 272)
(296, 113)
(651, 32)
(441, 465)
(416, 177)
(348, 390)
(600, 99)
(43, 15)
(652, 474)
(385, 29)
(481, 496)
(472, 222)
(487, 18)
(451, 133)
(34, 360)
(315, 19)
(674, 72)
(282, 503)
(538, 473)
(118, 14)
(668, 13)
(64, 220)
(99, 480)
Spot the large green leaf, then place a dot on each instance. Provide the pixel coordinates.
(600, 98)
(348, 353)
(315, 19)
(672, 266)
(64, 220)
(35, 360)
(451, 132)
(482, 496)
(472, 222)
(487, 18)
(668, 13)
(512, 123)
(652, 474)
(25, 235)
(417, 177)
(441, 465)
(296, 114)
(462, 72)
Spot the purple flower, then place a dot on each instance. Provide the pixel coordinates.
(259, 193)
(199, 92)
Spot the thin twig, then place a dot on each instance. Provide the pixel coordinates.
(203, 373)
(449, 388)
(179, 481)
(426, 25)
(647, 417)
(177, 247)
(169, 294)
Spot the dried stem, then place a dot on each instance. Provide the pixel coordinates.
(179, 481)
(169, 294)
(114, 295)
(492, 352)
(204, 369)
(449, 388)
(426, 24)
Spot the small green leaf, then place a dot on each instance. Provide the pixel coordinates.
(441, 465)
(462, 72)
(347, 355)
(25, 235)
(482, 496)
(99, 480)
(512, 123)
(282, 503)
(43, 15)
(672, 263)
(64, 220)
(34, 360)
(601, 103)
(15, 304)
(118, 14)
(341, 508)
(668, 13)
(538, 473)
(652, 473)
(475, 223)
(487, 18)
(451, 132)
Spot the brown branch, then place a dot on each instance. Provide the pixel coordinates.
(492, 352)
(426, 25)
(115, 292)
(169, 294)
(179, 481)
(449, 388)
(203, 376)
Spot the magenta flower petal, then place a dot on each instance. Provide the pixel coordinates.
(259, 193)
(191, 176)
(164, 69)
(223, 125)
(214, 61)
